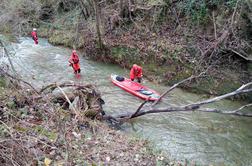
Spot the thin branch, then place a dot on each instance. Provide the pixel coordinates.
(130, 15)
(64, 84)
(177, 84)
(18, 79)
(235, 112)
(214, 23)
(167, 109)
(139, 108)
(9, 59)
(242, 56)
(9, 128)
(245, 106)
(244, 86)
(110, 118)
(236, 92)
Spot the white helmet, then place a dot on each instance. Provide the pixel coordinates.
(34, 29)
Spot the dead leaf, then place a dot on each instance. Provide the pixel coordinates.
(47, 161)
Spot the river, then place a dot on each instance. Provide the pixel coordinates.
(205, 138)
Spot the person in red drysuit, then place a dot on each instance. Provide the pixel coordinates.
(136, 72)
(74, 62)
(34, 35)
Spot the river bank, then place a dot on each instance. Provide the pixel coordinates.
(165, 65)
(39, 139)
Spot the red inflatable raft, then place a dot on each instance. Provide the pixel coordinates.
(135, 88)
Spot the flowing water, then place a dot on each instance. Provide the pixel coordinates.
(206, 138)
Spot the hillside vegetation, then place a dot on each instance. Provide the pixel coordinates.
(171, 39)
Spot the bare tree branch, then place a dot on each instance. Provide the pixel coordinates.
(139, 108)
(159, 110)
(236, 92)
(234, 112)
(245, 106)
(64, 84)
(215, 33)
(247, 58)
(193, 106)
(8, 56)
(177, 84)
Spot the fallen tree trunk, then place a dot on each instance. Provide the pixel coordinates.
(246, 88)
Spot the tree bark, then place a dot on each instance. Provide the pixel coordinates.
(97, 18)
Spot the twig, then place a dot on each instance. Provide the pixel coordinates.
(237, 53)
(214, 23)
(176, 16)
